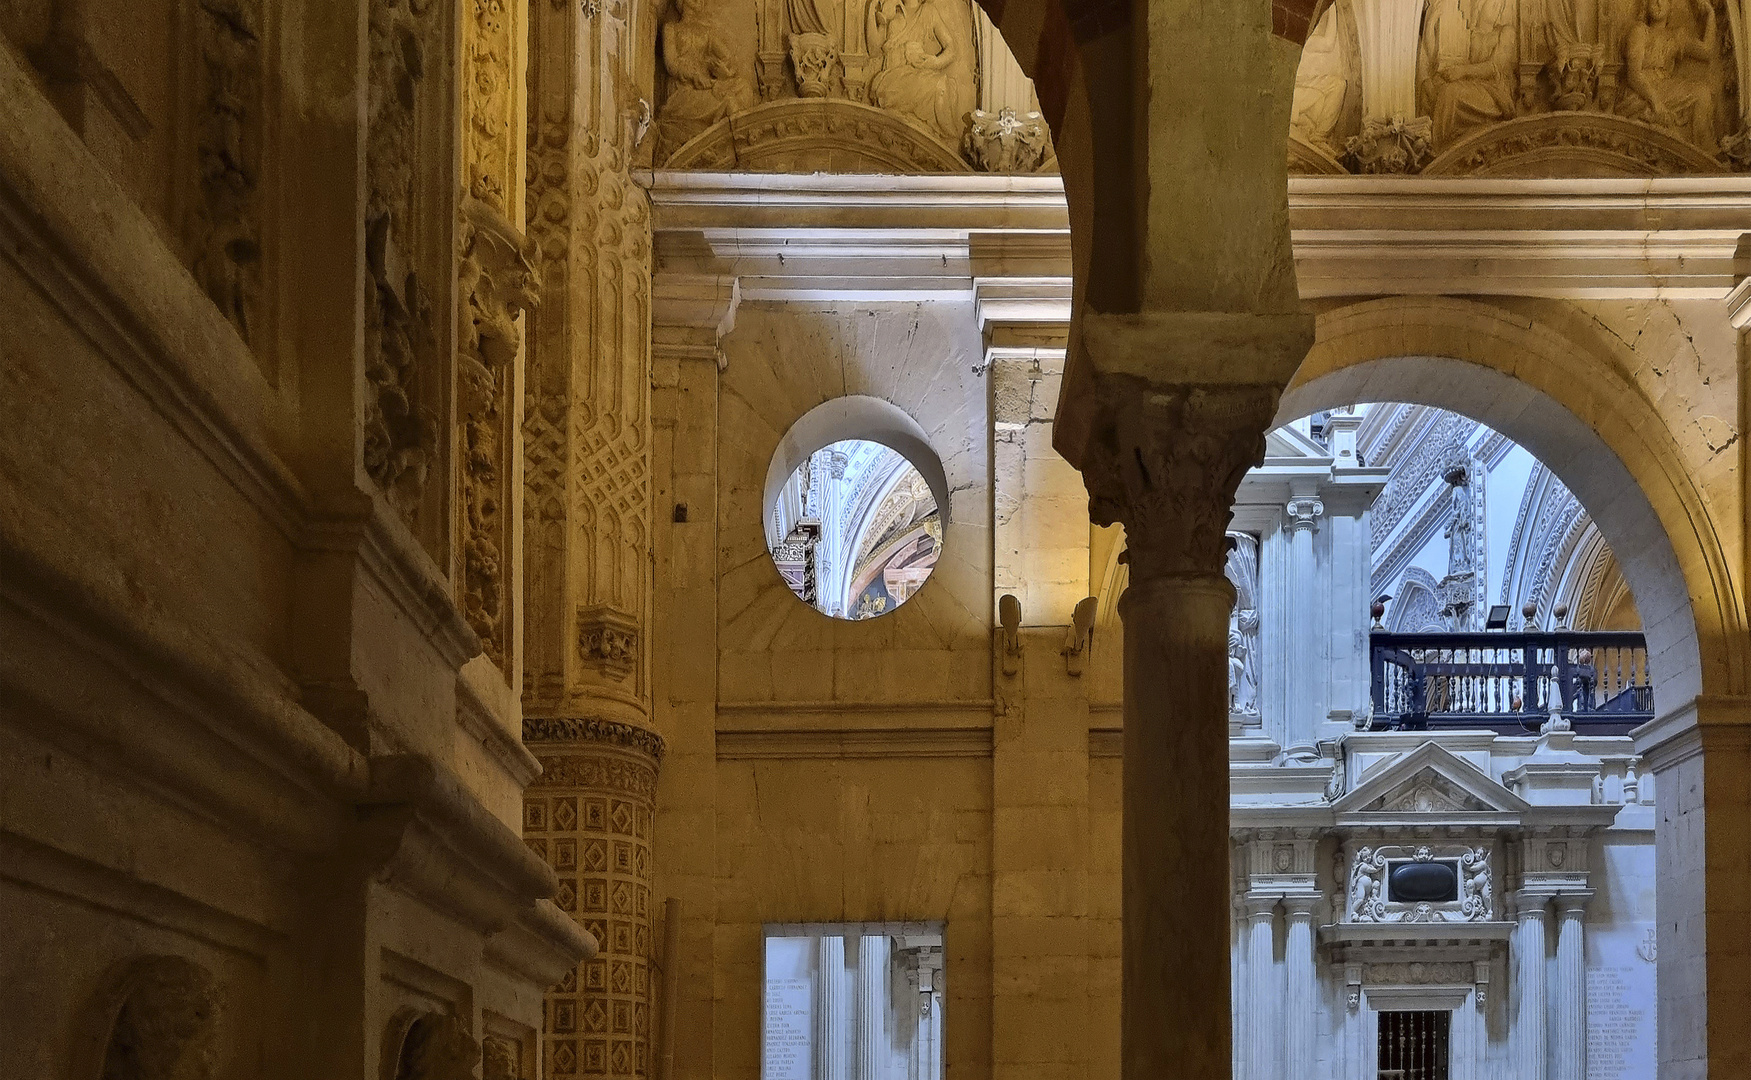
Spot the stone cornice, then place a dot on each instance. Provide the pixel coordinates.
(549, 730)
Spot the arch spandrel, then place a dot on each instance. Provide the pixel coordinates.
(1589, 424)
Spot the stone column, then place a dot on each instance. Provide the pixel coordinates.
(1264, 997)
(1306, 677)
(831, 998)
(1164, 459)
(1531, 1018)
(589, 815)
(872, 1006)
(1300, 989)
(1568, 1050)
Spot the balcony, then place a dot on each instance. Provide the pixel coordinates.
(1510, 683)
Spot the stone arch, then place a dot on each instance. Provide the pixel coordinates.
(1534, 385)
(159, 1021)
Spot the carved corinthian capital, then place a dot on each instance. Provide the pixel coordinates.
(1167, 460)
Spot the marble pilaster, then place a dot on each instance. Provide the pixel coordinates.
(1302, 516)
(1263, 996)
(832, 996)
(1568, 991)
(1530, 1024)
(872, 998)
(1300, 988)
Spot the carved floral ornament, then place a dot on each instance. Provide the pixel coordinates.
(1524, 88)
(1367, 897)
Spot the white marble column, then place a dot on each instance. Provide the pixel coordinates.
(872, 1006)
(831, 998)
(1306, 674)
(1300, 988)
(1237, 984)
(1568, 1050)
(1264, 996)
(1531, 1019)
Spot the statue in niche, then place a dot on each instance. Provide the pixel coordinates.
(1461, 543)
(704, 86)
(927, 64)
(1667, 92)
(1328, 81)
(1465, 65)
(1242, 569)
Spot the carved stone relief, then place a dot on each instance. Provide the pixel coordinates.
(400, 435)
(704, 85)
(223, 226)
(1527, 87)
(926, 68)
(1368, 898)
(496, 284)
(437, 1046)
(166, 1027)
(1007, 143)
(1243, 625)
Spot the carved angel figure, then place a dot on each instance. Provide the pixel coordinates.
(927, 69)
(1366, 873)
(1465, 65)
(704, 86)
(1668, 92)
(1475, 891)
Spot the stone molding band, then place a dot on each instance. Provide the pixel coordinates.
(572, 729)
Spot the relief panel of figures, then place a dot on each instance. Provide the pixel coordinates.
(1376, 97)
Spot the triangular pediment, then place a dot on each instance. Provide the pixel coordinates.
(1287, 442)
(1429, 780)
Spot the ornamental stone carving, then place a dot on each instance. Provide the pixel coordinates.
(400, 434)
(1004, 142)
(1167, 465)
(166, 1027)
(1667, 70)
(496, 283)
(223, 230)
(926, 70)
(1369, 896)
(608, 639)
(1465, 67)
(704, 85)
(1390, 146)
(437, 1046)
(1328, 83)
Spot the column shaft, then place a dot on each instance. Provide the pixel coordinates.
(1569, 994)
(872, 1002)
(831, 998)
(1300, 991)
(1175, 1012)
(1531, 1019)
(1263, 995)
(1306, 677)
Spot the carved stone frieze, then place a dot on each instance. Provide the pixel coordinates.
(488, 52)
(496, 283)
(400, 434)
(1418, 973)
(593, 729)
(223, 227)
(1394, 146)
(1167, 462)
(1003, 142)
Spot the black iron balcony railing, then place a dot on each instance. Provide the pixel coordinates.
(1511, 682)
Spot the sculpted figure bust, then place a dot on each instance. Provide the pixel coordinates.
(926, 70)
(1466, 65)
(704, 86)
(1666, 94)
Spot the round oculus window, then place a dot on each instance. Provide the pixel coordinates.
(855, 529)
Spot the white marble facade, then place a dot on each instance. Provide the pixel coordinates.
(1543, 960)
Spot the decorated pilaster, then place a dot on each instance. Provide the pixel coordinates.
(586, 589)
(1568, 1050)
(1264, 996)
(1300, 989)
(1530, 1017)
